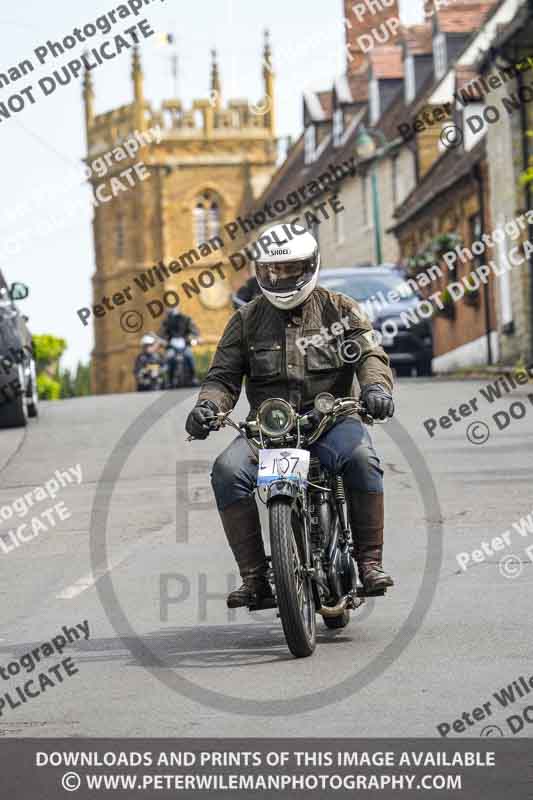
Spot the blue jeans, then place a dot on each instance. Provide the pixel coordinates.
(345, 450)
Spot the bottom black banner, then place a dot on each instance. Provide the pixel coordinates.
(323, 768)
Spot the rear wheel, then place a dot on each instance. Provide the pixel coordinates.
(293, 586)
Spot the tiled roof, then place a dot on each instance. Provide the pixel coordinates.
(454, 165)
(358, 85)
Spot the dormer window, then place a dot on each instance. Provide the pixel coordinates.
(310, 144)
(338, 126)
(440, 56)
(374, 101)
(410, 80)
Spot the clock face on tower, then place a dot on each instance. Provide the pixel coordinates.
(217, 296)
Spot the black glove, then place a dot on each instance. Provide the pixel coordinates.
(378, 401)
(198, 421)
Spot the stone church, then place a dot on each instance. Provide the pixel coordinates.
(211, 162)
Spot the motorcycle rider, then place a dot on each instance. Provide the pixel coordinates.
(149, 354)
(181, 326)
(263, 342)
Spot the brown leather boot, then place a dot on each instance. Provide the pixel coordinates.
(367, 515)
(243, 532)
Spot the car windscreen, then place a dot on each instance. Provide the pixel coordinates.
(367, 286)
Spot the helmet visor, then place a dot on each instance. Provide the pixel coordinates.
(285, 276)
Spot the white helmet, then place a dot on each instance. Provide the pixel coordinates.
(148, 339)
(288, 264)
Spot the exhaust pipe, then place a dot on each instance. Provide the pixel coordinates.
(348, 601)
(335, 611)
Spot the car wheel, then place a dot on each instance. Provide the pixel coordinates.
(32, 393)
(14, 412)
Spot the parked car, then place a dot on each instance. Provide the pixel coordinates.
(18, 375)
(412, 348)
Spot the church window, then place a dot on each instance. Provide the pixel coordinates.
(206, 218)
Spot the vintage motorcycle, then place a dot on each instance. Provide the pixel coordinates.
(178, 373)
(151, 377)
(312, 565)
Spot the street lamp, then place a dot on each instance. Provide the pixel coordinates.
(366, 148)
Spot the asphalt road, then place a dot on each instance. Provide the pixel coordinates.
(165, 658)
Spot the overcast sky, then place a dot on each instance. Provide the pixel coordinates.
(45, 142)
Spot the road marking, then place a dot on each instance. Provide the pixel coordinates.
(90, 580)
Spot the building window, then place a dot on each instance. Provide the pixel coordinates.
(213, 220)
(206, 218)
(410, 80)
(310, 144)
(119, 235)
(200, 224)
(439, 55)
(374, 102)
(338, 126)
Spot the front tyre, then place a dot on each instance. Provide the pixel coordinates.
(293, 586)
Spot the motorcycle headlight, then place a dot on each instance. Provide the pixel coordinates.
(275, 418)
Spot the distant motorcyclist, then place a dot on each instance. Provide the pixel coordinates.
(150, 354)
(179, 326)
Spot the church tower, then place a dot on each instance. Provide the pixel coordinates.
(201, 166)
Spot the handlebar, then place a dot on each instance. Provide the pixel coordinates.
(342, 407)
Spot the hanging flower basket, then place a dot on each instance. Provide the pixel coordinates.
(448, 306)
(445, 242)
(420, 262)
(472, 297)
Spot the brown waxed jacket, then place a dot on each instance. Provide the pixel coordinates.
(260, 343)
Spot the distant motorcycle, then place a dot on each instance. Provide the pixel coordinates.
(151, 377)
(178, 371)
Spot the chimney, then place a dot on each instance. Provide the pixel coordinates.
(369, 24)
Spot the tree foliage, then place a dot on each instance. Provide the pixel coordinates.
(53, 382)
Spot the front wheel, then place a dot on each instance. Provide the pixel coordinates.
(293, 585)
